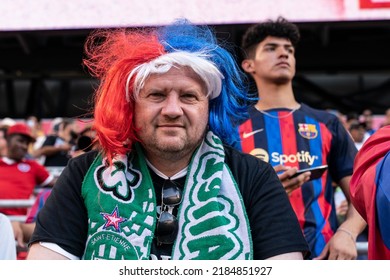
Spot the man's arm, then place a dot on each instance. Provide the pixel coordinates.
(51, 150)
(288, 256)
(353, 223)
(342, 246)
(39, 252)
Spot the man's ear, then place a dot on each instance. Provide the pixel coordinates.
(247, 65)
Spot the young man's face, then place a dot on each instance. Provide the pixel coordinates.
(172, 112)
(17, 146)
(273, 61)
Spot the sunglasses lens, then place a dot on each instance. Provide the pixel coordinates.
(167, 228)
(171, 195)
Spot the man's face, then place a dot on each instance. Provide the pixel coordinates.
(172, 112)
(17, 146)
(358, 134)
(273, 61)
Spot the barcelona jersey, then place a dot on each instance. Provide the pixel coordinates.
(304, 138)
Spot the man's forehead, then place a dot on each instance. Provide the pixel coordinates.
(271, 40)
(19, 137)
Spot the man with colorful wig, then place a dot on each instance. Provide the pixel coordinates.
(370, 191)
(167, 182)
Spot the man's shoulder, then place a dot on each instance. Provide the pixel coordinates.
(235, 157)
(85, 158)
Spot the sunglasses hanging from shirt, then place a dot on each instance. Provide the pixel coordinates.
(167, 224)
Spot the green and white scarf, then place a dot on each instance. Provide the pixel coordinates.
(121, 206)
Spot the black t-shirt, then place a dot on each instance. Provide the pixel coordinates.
(58, 159)
(274, 227)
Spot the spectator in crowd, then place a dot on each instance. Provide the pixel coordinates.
(85, 141)
(165, 114)
(368, 119)
(53, 131)
(19, 176)
(370, 191)
(56, 148)
(352, 117)
(291, 136)
(83, 144)
(358, 132)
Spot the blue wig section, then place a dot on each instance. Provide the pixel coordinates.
(229, 109)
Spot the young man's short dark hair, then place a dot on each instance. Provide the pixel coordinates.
(281, 28)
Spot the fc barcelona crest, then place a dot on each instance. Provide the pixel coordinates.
(308, 131)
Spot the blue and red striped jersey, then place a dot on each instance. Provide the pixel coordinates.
(304, 138)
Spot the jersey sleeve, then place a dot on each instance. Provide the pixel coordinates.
(343, 152)
(41, 175)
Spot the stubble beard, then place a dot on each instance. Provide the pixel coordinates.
(172, 151)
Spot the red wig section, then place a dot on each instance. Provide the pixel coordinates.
(110, 56)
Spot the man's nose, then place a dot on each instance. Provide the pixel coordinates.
(283, 52)
(172, 106)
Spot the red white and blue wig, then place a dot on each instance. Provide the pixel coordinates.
(123, 59)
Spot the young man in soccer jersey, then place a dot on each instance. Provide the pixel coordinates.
(293, 136)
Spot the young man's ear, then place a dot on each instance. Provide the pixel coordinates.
(247, 65)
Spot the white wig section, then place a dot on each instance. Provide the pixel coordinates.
(197, 61)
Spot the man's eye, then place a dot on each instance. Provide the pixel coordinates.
(156, 95)
(189, 97)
